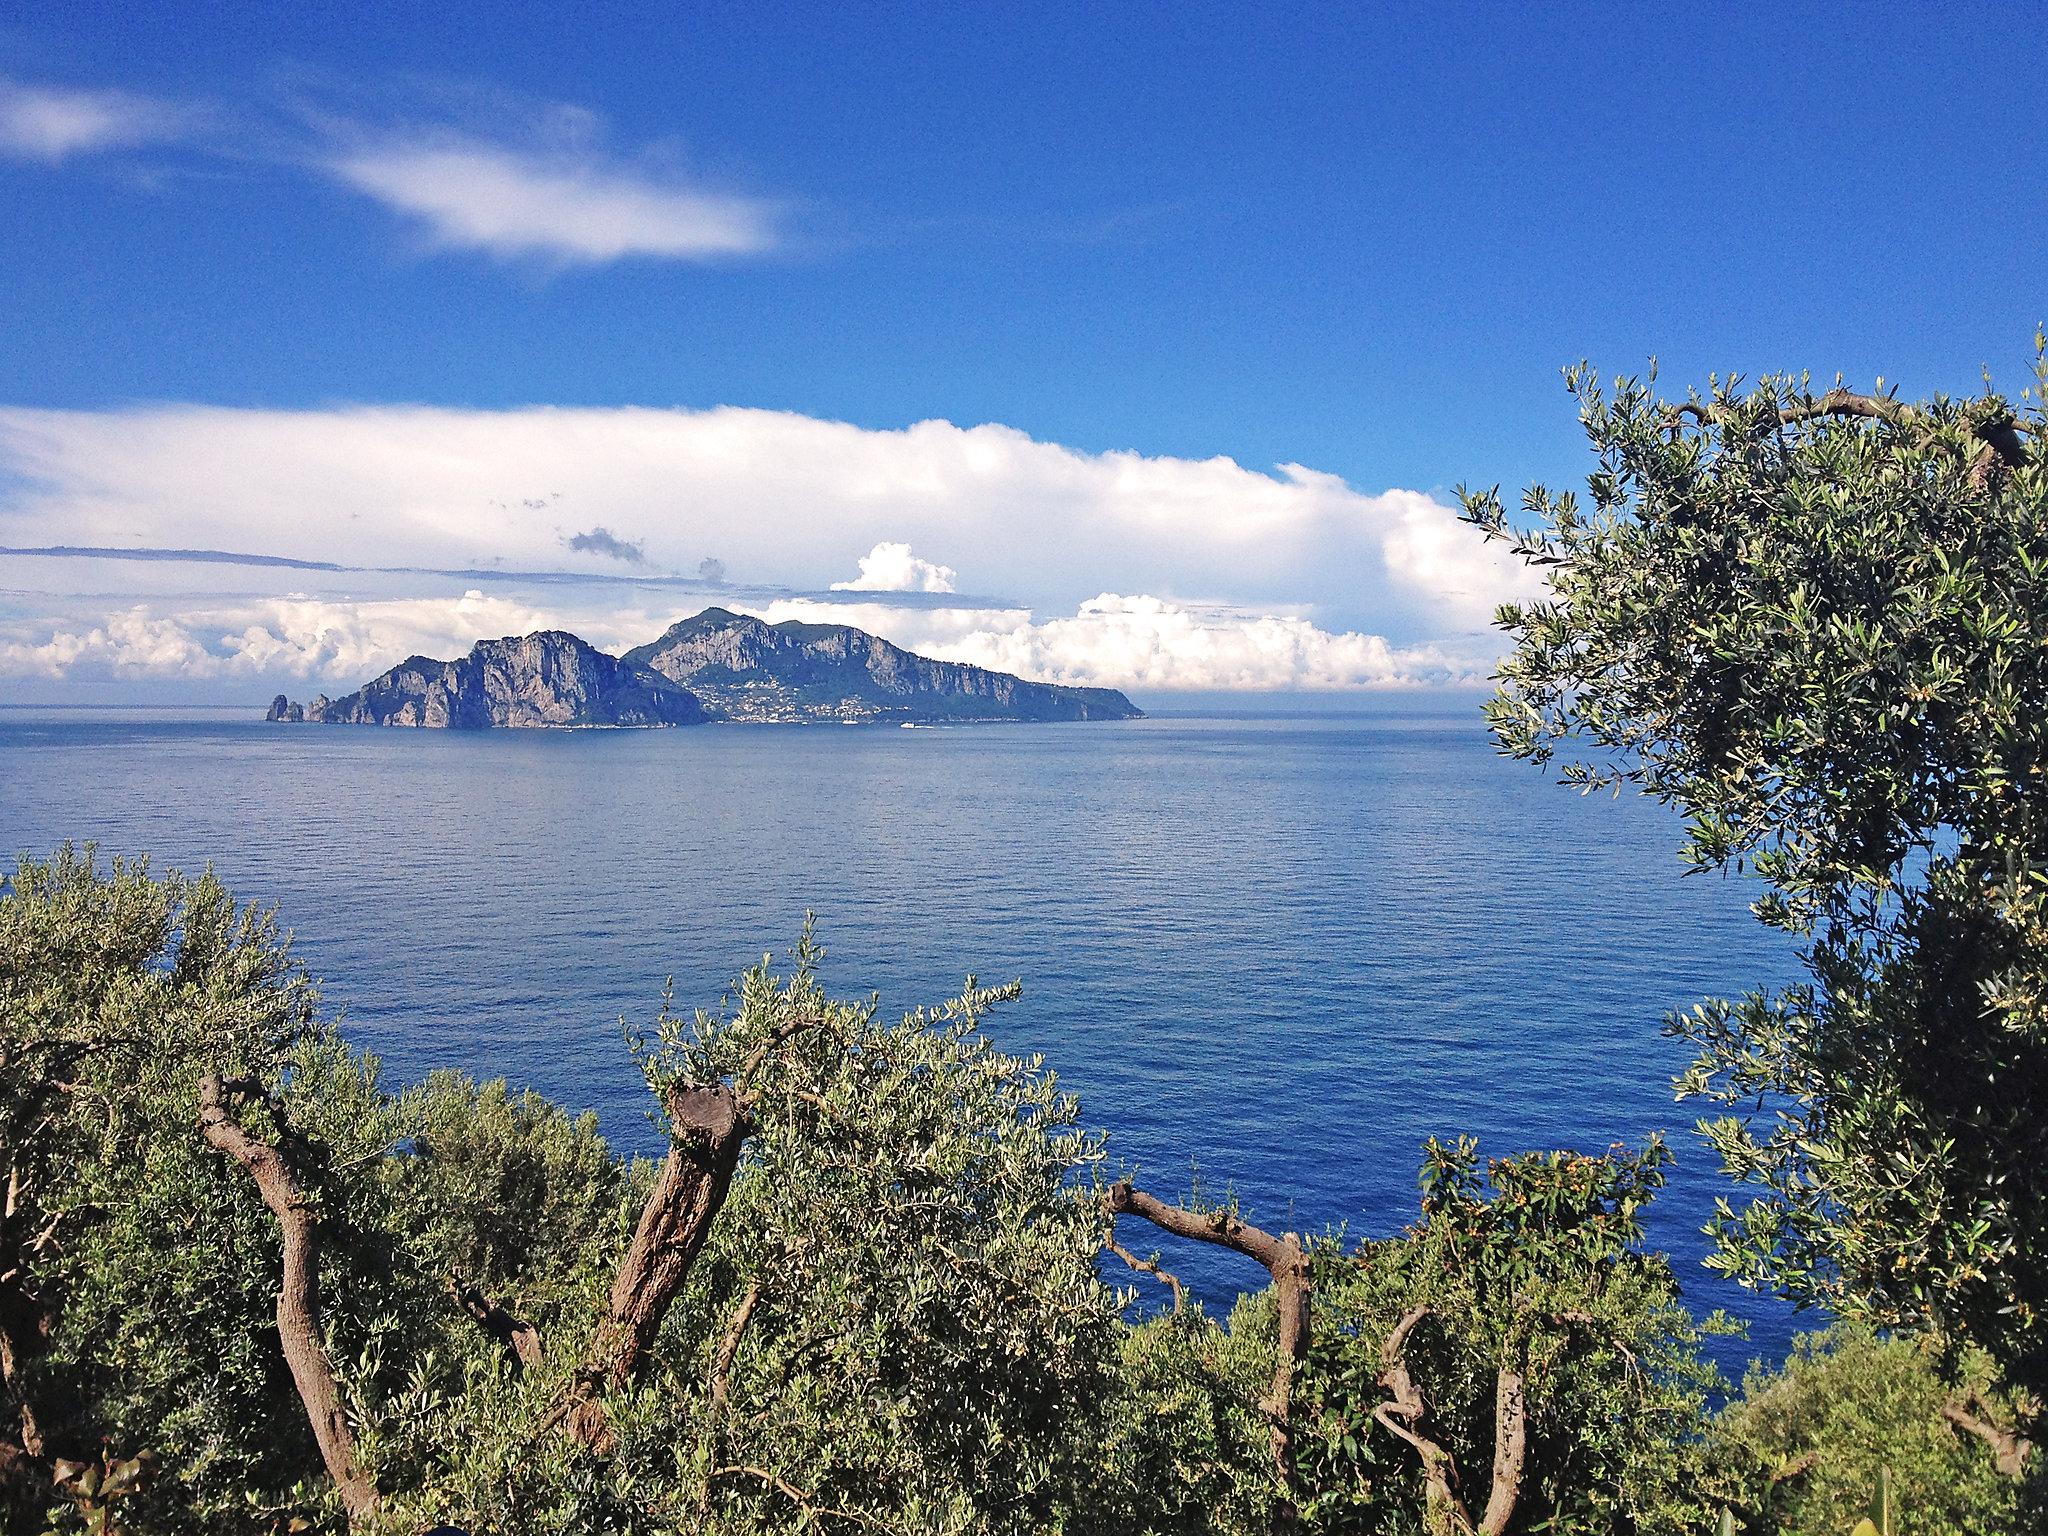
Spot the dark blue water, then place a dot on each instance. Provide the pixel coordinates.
(1282, 951)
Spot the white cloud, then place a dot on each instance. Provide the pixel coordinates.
(1111, 641)
(1142, 642)
(893, 568)
(567, 206)
(128, 642)
(332, 641)
(44, 123)
(785, 499)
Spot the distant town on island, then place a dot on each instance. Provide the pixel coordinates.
(717, 666)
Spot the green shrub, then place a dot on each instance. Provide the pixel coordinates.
(1810, 1443)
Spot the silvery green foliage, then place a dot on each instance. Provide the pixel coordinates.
(1809, 1442)
(912, 1239)
(928, 1347)
(1535, 1261)
(148, 1259)
(1823, 638)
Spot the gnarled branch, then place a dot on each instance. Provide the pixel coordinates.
(519, 1338)
(1402, 1418)
(797, 1496)
(1152, 1267)
(729, 1344)
(2010, 1448)
(706, 1131)
(2001, 437)
(298, 1292)
(1510, 1437)
(1445, 1508)
(721, 1382)
(1283, 1258)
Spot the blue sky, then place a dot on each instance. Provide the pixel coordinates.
(1362, 244)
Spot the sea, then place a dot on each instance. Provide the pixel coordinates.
(1269, 953)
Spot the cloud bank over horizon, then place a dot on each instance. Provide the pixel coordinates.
(1110, 641)
(1119, 568)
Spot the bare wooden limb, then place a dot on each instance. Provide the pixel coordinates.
(1284, 1259)
(1152, 1267)
(1403, 1418)
(706, 1132)
(1510, 1438)
(2010, 1448)
(721, 1379)
(1798, 1466)
(298, 1293)
(743, 1079)
(729, 1344)
(519, 1338)
(2001, 437)
(797, 1496)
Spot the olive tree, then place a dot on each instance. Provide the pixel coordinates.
(1513, 1361)
(242, 1288)
(1805, 1447)
(169, 1086)
(1816, 623)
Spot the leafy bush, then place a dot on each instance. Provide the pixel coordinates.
(1552, 1381)
(1810, 1443)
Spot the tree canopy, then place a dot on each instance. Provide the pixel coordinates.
(1816, 623)
(249, 1289)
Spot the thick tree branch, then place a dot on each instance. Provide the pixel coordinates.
(729, 1345)
(1510, 1438)
(519, 1338)
(706, 1131)
(2002, 437)
(1402, 1418)
(1283, 1258)
(2009, 1447)
(1445, 1508)
(721, 1381)
(298, 1294)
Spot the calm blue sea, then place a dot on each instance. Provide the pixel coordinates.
(1279, 950)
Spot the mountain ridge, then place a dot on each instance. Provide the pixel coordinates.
(745, 668)
(714, 666)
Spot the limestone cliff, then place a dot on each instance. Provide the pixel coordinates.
(716, 666)
(745, 669)
(545, 679)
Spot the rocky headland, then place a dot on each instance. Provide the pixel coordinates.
(717, 666)
(547, 679)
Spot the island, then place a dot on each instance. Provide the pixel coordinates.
(715, 666)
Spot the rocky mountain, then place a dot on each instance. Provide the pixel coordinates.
(550, 678)
(746, 669)
(716, 666)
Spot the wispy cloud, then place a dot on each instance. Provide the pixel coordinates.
(471, 168)
(569, 206)
(893, 568)
(51, 124)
